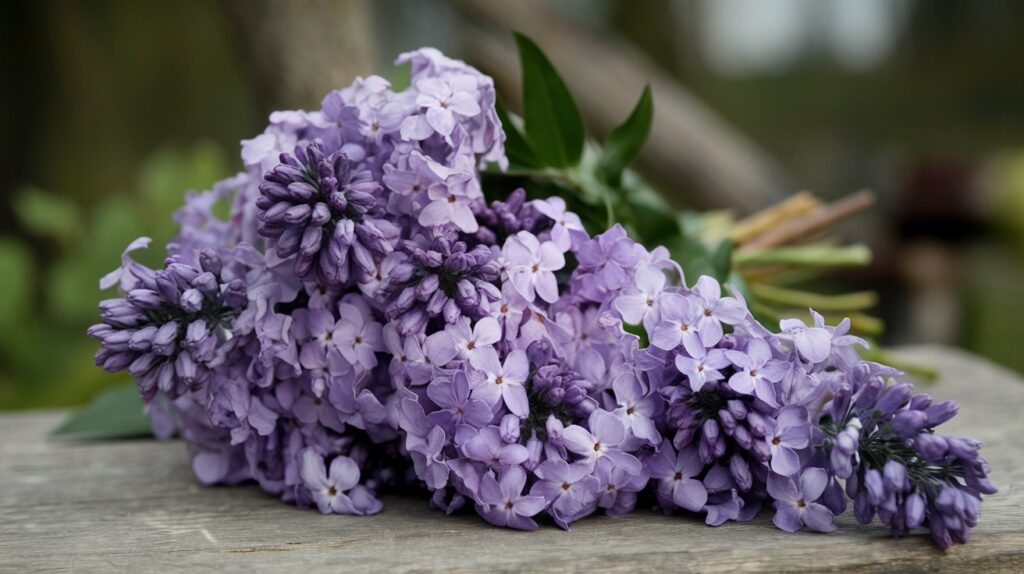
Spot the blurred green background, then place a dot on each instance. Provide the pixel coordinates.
(111, 110)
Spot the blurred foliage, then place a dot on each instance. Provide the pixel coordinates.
(45, 359)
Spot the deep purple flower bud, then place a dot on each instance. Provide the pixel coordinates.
(210, 261)
(539, 352)
(742, 437)
(535, 448)
(165, 339)
(894, 397)
(908, 423)
(939, 413)
(142, 340)
(841, 402)
(145, 298)
(509, 428)
(740, 471)
(875, 486)
(894, 475)
(759, 426)
(191, 301)
(868, 394)
(206, 283)
(913, 510)
(325, 200)
(932, 447)
(574, 395)
(920, 402)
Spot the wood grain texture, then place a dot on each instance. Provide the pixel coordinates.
(134, 506)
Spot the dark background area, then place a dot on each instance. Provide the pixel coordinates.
(110, 110)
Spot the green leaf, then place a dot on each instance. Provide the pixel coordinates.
(518, 150)
(721, 260)
(553, 123)
(115, 413)
(624, 143)
(48, 215)
(17, 270)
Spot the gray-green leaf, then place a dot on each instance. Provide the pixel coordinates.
(114, 413)
(553, 123)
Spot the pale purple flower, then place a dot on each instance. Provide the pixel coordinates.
(704, 368)
(758, 371)
(532, 265)
(813, 343)
(796, 501)
(472, 343)
(504, 381)
(638, 304)
(617, 487)
(358, 337)
(501, 501)
(715, 310)
(636, 407)
(569, 489)
(680, 320)
(443, 99)
(606, 433)
(675, 475)
(792, 433)
(456, 405)
(448, 206)
(488, 447)
(332, 491)
(567, 224)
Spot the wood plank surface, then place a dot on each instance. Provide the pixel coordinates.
(134, 506)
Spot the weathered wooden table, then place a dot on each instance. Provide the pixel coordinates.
(134, 506)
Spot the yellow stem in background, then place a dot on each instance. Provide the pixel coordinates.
(766, 219)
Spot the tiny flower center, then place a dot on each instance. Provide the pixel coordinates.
(678, 476)
(451, 199)
(753, 372)
(630, 410)
(566, 486)
(707, 312)
(318, 401)
(535, 268)
(801, 503)
(471, 345)
(499, 380)
(776, 440)
(597, 447)
(359, 340)
(650, 301)
(684, 327)
(504, 309)
(332, 491)
(508, 504)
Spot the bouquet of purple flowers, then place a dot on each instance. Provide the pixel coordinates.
(364, 321)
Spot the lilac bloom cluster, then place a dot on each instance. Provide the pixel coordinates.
(795, 420)
(363, 321)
